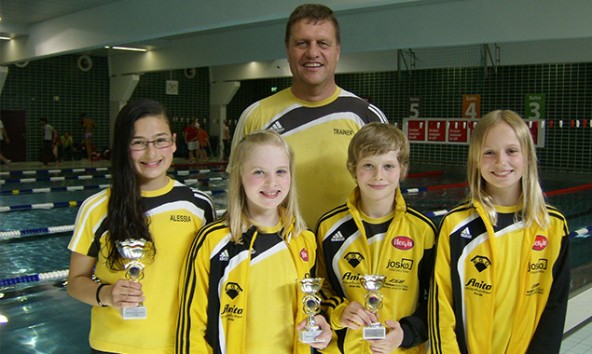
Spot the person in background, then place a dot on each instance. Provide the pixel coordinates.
(204, 143)
(142, 203)
(501, 277)
(3, 139)
(50, 136)
(239, 291)
(376, 232)
(315, 116)
(66, 147)
(88, 124)
(226, 141)
(190, 137)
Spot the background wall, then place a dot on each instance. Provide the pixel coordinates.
(57, 89)
(567, 87)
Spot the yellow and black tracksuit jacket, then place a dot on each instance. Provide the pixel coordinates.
(399, 247)
(214, 290)
(498, 289)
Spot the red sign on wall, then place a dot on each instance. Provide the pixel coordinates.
(437, 130)
(534, 128)
(458, 131)
(416, 131)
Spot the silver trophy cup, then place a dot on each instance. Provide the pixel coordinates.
(373, 302)
(133, 251)
(312, 305)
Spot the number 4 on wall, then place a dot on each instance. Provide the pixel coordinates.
(471, 106)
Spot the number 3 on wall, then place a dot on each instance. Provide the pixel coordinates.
(535, 106)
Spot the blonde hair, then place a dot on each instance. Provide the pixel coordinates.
(237, 212)
(376, 139)
(531, 200)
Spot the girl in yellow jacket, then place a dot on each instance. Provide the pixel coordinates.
(239, 291)
(501, 278)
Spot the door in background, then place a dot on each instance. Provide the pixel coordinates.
(15, 124)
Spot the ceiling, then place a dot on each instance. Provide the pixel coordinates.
(217, 33)
(27, 12)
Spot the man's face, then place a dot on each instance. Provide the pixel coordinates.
(313, 53)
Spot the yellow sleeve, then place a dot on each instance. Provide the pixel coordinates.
(441, 317)
(193, 293)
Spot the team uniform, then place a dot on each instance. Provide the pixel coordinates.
(176, 212)
(399, 246)
(244, 298)
(319, 133)
(499, 289)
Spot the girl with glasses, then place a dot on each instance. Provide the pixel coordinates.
(142, 205)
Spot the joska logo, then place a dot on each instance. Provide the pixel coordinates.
(404, 264)
(403, 243)
(540, 243)
(539, 266)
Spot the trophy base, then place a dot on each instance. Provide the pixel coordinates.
(309, 336)
(374, 331)
(134, 313)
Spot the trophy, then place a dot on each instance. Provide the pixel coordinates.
(133, 251)
(312, 305)
(373, 301)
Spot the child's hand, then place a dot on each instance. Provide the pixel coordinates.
(124, 293)
(393, 339)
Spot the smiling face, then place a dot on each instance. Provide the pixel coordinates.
(378, 178)
(266, 178)
(313, 53)
(151, 164)
(502, 164)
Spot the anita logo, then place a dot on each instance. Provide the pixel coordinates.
(540, 243)
(403, 243)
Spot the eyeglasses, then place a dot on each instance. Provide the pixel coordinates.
(160, 143)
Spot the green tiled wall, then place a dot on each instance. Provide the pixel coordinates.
(567, 87)
(34, 87)
(193, 99)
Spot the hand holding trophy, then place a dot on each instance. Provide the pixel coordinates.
(373, 302)
(312, 305)
(133, 251)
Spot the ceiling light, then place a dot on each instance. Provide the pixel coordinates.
(5, 38)
(128, 48)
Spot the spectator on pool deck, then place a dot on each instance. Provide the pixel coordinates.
(50, 136)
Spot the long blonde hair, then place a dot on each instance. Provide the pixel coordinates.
(531, 200)
(237, 214)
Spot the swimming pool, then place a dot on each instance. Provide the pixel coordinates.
(42, 318)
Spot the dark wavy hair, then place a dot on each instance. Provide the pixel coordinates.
(126, 216)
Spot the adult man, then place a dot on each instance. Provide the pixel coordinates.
(315, 116)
